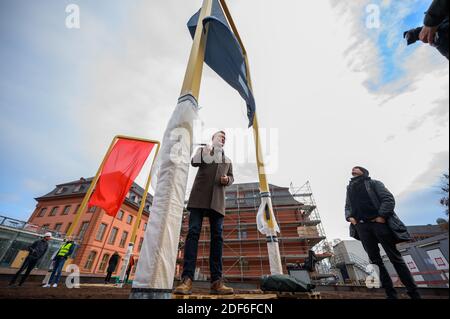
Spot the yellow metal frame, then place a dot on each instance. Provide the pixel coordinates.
(263, 184)
(97, 175)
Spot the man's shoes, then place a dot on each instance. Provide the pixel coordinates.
(55, 285)
(219, 288)
(46, 286)
(185, 288)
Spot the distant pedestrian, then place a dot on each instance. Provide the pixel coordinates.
(215, 173)
(36, 252)
(370, 210)
(64, 252)
(112, 265)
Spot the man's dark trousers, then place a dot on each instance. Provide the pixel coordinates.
(28, 264)
(216, 244)
(371, 234)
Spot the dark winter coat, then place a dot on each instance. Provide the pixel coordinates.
(384, 201)
(436, 14)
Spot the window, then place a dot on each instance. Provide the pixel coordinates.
(141, 241)
(61, 190)
(76, 210)
(46, 226)
(113, 235)
(101, 232)
(42, 212)
(120, 214)
(92, 209)
(123, 240)
(90, 260)
(145, 226)
(53, 211)
(66, 210)
(83, 228)
(68, 227)
(58, 227)
(129, 219)
(133, 198)
(103, 262)
(147, 207)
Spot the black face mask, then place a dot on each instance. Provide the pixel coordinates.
(362, 169)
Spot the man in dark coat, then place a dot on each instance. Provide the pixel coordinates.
(112, 265)
(36, 252)
(207, 199)
(370, 210)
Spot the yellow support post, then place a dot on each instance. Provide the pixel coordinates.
(193, 76)
(274, 253)
(132, 242)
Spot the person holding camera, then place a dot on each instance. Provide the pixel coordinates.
(435, 29)
(436, 14)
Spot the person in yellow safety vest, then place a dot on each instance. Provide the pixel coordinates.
(64, 252)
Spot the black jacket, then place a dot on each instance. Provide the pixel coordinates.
(38, 249)
(437, 12)
(383, 199)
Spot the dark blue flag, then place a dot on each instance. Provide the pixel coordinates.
(224, 54)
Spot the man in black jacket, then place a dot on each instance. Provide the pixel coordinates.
(370, 210)
(36, 251)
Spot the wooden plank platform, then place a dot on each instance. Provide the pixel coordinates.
(295, 295)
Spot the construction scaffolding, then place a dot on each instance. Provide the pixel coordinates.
(245, 256)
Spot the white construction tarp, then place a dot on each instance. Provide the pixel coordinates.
(157, 260)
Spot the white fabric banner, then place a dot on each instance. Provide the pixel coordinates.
(157, 260)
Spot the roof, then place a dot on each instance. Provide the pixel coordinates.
(79, 188)
(430, 240)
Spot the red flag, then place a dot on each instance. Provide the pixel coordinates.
(121, 168)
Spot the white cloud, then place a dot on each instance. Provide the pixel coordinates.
(309, 80)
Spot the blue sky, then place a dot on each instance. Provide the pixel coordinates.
(40, 61)
(64, 94)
